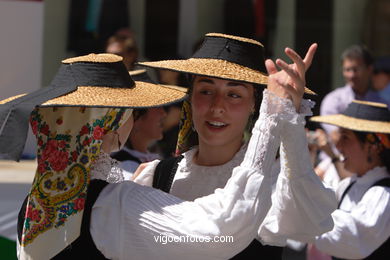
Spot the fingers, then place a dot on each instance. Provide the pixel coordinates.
(309, 55)
(300, 65)
(271, 67)
(288, 69)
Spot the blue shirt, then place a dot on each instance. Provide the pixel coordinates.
(336, 101)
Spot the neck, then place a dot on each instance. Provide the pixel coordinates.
(362, 90)
(139, 143)
(370, 167)
(209, 155)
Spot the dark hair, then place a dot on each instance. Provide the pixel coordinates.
(138, 113)
(384, 154)
(358, 52)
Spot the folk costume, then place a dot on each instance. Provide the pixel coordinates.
(362, 219)
(238, 59)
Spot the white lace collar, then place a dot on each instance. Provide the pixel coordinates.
(107, 169)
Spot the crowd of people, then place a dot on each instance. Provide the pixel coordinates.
(236, 159)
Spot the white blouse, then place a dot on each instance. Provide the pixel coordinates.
(362, 223)
(130, 221)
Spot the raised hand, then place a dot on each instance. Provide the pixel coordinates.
(289, 82)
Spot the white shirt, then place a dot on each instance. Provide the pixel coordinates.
(128, 218)
(362, 223)
(129, 166)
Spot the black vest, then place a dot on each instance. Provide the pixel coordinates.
(382, 252)
(84, 243)
(163, 178)
(123, 155)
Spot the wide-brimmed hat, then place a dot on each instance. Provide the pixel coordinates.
(225, 57)
(360, 116)
(142, 75)
(94, 80)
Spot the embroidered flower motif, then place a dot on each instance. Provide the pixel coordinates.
(34, 127)
(84, 130)
(59, 121)
(84, 159)
(36, 215)
(98, 133)
(45, 129)
(63, 173)
(79, 204)
(74, 156)
(41, 166)
(60, 185)
(87, 141)
(48, 184)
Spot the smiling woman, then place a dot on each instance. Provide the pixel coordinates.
(220, 112)
(361, 221)
(228, 74)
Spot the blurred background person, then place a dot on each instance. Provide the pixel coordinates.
(147, 128)
(167, 145)
(123, 43)
(357, 69)
(361, 221)
(381, 77)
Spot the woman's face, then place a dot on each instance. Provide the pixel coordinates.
(150, 125)
(355, 153)
(220, 109)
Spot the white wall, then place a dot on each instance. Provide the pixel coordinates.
(21, 41)
(21, 30)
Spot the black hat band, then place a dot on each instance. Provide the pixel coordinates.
(243, 53)
(366, 112)
(113, 74)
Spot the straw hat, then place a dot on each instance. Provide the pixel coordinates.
(225, 57)
(142, 75)
(101, 80)
(360, 116)
(94, 80)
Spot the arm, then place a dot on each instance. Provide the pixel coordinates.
(358, 233)
(140, 214)
(301, 206)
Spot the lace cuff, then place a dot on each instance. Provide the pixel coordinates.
(295, 158)
(107, 169)
(275, 112)
(265, 138)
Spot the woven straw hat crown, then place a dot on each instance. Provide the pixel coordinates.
(360, 116)
(94, 80)
(223, 56)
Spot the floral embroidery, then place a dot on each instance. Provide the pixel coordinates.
(64, 157)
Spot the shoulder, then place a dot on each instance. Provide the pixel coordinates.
(343, 185)
(336, 93)
(146, 173)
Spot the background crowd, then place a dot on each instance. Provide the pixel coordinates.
(363, 64)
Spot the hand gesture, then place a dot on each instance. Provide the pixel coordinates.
(289, 82)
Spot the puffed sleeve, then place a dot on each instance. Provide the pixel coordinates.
(301, 204)
(130, 221)
(358, 233)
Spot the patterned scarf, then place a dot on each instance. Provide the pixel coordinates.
(69, 140)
